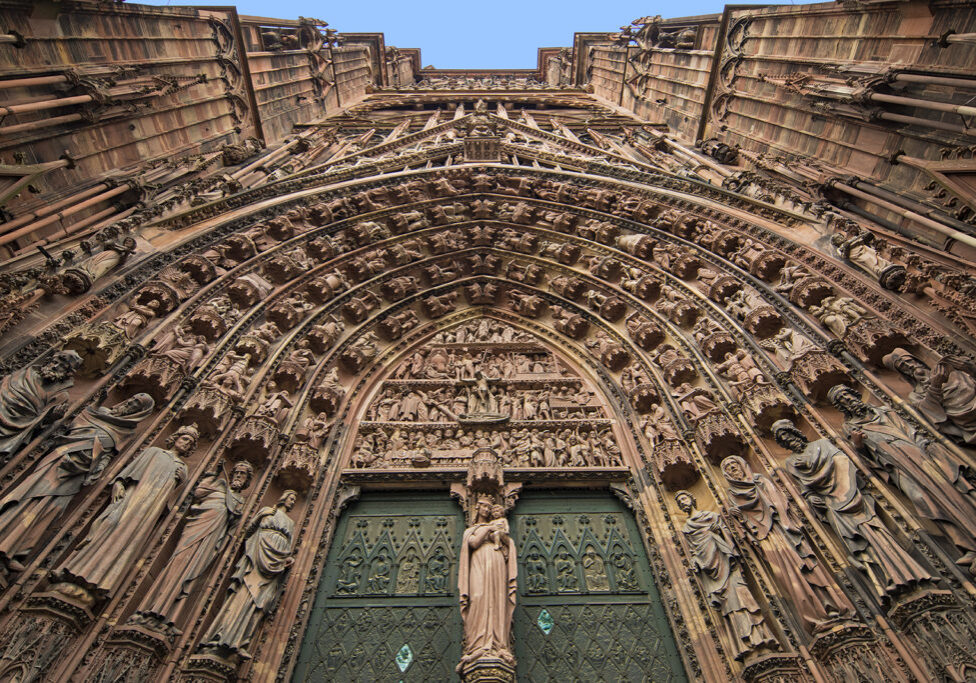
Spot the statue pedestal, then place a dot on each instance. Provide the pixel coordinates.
(488, 670)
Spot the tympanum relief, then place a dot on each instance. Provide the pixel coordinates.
(485, 385)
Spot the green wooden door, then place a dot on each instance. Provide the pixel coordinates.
(588, 609)
(387, 608)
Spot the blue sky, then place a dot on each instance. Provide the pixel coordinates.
(490, 34)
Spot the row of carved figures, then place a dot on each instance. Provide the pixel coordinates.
(760, 516)
(519, 447)
(79, 457)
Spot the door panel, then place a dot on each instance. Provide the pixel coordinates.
(386, 609)
(587, 605)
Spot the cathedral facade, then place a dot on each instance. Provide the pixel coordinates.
(654, 362)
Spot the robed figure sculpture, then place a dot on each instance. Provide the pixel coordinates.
(77, 460)
(829, 481)
(764, 515)
(31, 396)
(257, 580)
(140, 494)
(915, 466)
(215, 510)
(486, 584)
(718, 564)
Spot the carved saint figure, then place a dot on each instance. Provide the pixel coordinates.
(30, 396)
(184, 349)
(257, 579)
(946, 396)
(859, 251)
(829, 482)
(762, 511)
(486, 585)
(902, 457)
(838, 313)
(717, 563)
(215, 510)
(140, 493)
(78, 459)
(132, 321)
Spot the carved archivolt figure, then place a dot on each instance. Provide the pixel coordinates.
(77, 460)
(717, 563)
(829, 482)
(858, 250)
(777, 535)
(215, 510)
(257, 579)
(184, 349)
(140, 494)
(134, 320)
(30, 396)
(901, 456)
(946, 396)
(838, 313)
(486, 584)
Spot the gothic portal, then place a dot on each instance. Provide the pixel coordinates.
(652, 363)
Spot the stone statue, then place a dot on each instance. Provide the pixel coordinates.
(77, 460)
(184, 349)
(902, 456)
(859, 251)
(829, 482)
(486, 585)
(140, 494)
(741, 371)
(762, 511)
(946, 396)
(256, 581)
(31, 396)
(215, 510)
(837, 314)
(717, 563)
(132, 321)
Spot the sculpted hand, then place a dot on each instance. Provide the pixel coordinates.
(58, 411)
(817, 501)
(118, 492)
(857, 438)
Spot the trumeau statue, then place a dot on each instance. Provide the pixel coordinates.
(830, 483)
(763, 512)
(77, 460)
(257, 580)
(717, 563)
(919, 469)
(486, 584)
(215, 510)
(946, 396)
(140, 494)
(32, 395)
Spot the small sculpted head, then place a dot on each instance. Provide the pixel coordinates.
(136, 404)
(61, 366)
(847, 401)
(788, 436)
(288, 499)
(240, 476)
(908, 365)
(483, 508)
(184, 440)
(686, 501)
(735, 468)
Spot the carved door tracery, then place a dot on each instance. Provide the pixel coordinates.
(386, 608)
(587, 606)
